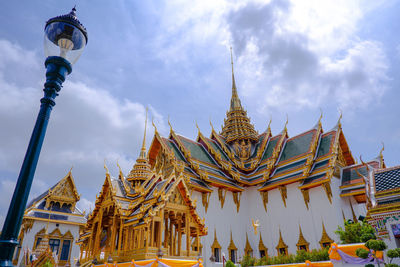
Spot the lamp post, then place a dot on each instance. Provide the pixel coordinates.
(64, 41)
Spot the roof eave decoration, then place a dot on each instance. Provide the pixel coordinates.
(313, 149)
(226, 166)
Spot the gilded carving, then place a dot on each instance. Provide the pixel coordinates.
(264, 196)
(306, 196)
(236, 199)
(328, 190)
(221, 196)
(283, 191)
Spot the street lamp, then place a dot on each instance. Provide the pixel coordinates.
(65, 38)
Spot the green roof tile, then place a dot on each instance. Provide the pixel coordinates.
(270, 148)
(176, 151)
(297, 146)
(324, 145)
(197, 151)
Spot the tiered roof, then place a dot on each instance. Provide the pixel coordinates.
(237, 125)
(310, 158)
(65, 196)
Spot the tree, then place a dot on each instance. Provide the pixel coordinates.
(373, 246)
(355, 232)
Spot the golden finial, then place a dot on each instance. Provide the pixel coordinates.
(120, 171)
(235, 101)
(212, 127)
(382, 149)
(362, 162)
(170, 126)
(70, 170)
(197, 126)
(152, 122)
(320, 117)
(143, 149)
(287, 120)
(105, 167)
(340, 117)
(269, 124)
(231, 60)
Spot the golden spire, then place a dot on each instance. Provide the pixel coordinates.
(143, 149)
(105, 167)
(237, 125)
(380, 157)
(235, 101)
(152, 122)
(141, 169)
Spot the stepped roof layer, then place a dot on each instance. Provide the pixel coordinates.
(308, 158)
(137, 204)
(57, 203)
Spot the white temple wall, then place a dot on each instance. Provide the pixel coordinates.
(37, 226)
(277, 217)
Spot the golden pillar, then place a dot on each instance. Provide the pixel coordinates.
(120, 237)
(166, 229)
(187, 234)
(96, 246)
(179, 235)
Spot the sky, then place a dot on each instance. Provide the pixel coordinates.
(292, 59)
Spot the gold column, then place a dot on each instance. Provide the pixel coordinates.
(160, 229)
(98, 233)
(187, 234)
(173, 241)
(198, 239)
(179, 235)
(166, 236)
(147, 233)
(120, 237)
(113, 233)
(152, 233)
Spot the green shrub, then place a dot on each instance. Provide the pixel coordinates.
(377, 245)
(362, 253)
(369, 265)
(229, 264)
(355, 232)
(301, 256)
(391, 265)
(248, 261)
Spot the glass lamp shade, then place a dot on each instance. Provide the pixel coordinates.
(65, 37)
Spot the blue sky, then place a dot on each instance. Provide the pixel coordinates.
(291, 57)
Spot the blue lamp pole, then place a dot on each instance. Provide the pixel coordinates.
(65, 39)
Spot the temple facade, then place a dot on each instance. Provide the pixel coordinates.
(237, 192)
(50, 227)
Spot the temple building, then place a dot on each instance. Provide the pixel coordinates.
(50, 227)
(237, 192)
(383, 200)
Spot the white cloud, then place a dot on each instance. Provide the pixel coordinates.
(87, 125)
(294, 57)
